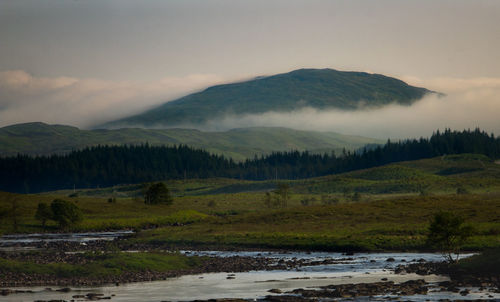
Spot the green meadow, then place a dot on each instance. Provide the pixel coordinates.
(382, 208)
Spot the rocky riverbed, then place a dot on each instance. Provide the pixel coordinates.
(247, 276)
(458, 279)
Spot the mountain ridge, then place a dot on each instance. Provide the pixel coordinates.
(316, 88)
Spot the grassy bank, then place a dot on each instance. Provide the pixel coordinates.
(485, 264)
(103, 265)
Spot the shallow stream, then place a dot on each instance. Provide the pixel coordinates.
(358, 268)
(30, 241)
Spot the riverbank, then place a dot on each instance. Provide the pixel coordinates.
(481, 270)
(92, 269)
(249, 275)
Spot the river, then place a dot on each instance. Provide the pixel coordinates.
(358, 268)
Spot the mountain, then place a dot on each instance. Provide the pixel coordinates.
(44, 139)
(316, 88)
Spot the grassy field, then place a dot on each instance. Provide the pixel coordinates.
(384, 208)
(395, 223)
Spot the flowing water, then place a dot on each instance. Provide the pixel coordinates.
(30, 241)
(359, 268)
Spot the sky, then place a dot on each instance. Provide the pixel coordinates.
(84, 62)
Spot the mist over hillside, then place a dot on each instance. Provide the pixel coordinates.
(320, 89)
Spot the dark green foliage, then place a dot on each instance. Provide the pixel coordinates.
(65, 213)
(43, 213)
(107, 166)
(448, 233)
(316, 88)
(157, 193)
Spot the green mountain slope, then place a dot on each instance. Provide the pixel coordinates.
(316, 88)
(444, 174)
(43, 139)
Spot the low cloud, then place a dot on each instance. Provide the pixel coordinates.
(469, 103)
(86, 102)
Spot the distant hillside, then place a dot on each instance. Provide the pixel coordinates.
(316, 88)
(443, 174)
(112, 165)
(43, 139)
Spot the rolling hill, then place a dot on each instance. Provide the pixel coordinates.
(316, 88)
(239, 144)
(476, 173)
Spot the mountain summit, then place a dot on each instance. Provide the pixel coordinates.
(314, 88)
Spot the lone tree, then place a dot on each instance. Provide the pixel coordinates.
(65, 213)
(448, 233)
(43, 213)
(157, 193)
(280, 196)
(283, 193)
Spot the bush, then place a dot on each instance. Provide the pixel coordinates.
(43, 213)
(157, 193)
(65, 213)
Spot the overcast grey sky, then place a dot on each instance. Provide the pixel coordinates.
(88, 56)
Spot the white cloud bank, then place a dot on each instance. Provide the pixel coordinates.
(469, 103)
(86, 102)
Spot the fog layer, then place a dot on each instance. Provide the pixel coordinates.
(469, 103)
(86, 102)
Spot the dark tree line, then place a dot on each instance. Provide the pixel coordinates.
(112, 165)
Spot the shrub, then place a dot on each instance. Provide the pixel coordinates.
(43, 213)
(157, 193)
(65, 213)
